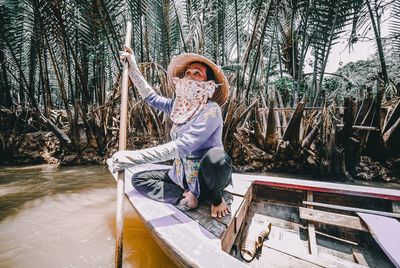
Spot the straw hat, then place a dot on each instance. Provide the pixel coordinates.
(178, 66)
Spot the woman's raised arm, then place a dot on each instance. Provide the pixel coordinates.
(145, 90)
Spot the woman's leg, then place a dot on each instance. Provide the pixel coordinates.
(157, 185)
(214, 175)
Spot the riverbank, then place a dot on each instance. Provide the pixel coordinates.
(43, 147)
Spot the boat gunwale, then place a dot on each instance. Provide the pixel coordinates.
(314, 188)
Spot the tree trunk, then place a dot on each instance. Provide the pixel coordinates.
(5, 94)
(375, 26)
(312, 134)
(260, 137)
(292, 132)
(271, 133)
(62, 91)
(246, 55)
(256, 60)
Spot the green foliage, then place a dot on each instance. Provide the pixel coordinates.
(331, 84)
(365, 72)
(285, 87)
(362, 72)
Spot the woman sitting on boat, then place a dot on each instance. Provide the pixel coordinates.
(201, 168)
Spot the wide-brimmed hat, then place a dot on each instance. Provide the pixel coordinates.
(178, 66)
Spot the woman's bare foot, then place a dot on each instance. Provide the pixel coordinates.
(189, 200)
(220, 210)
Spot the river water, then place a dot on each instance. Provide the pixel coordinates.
(65, 217)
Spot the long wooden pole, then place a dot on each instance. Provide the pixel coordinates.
(122, 146)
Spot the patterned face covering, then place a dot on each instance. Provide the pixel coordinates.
(191, 97)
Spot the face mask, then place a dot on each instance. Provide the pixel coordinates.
(191, 97)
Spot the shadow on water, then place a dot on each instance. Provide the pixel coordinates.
(19, 185)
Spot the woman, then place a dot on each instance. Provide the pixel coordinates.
(201, 168)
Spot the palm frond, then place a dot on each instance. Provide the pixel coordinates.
(17, 37)
(328, 18)
(395, 26)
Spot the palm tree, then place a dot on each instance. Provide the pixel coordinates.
(64, 54)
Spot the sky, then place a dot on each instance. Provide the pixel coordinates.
(340, 55)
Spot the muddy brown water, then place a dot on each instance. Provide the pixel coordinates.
(65, 217)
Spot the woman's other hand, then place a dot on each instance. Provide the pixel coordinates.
(121, 161)
(121, 156)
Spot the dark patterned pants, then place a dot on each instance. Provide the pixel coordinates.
(214, 175)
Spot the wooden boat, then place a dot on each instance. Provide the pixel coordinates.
(314, 224)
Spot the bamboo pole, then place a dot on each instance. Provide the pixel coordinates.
(122, 146)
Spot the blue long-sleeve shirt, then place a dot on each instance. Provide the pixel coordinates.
(193, 139)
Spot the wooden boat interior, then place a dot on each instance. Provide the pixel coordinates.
(302, 235)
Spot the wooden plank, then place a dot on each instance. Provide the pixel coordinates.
(280, 215)
(386, 232)
(359, 257)
(280, 219)
(242, 182)
(290, 242)
(202, 216)
(332, 188)
(278, 196)
(332, 219)
(340, 261)
(337, 238)
(270, 257)
(229, 236)
(216, 226)
(331, 248)
(322, 261)
(344, 208)
(239, 187)
(241, 213)
(312, 239)
(282, 237)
